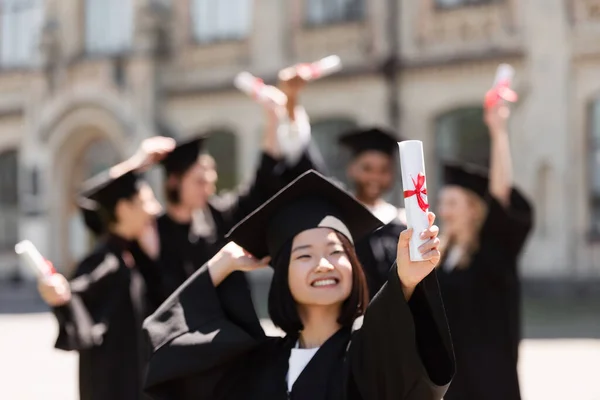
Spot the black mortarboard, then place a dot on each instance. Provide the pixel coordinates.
(310, 201)
(90, 214)
(468, 176)
(184, 155)
(106, 190)
(376, 139)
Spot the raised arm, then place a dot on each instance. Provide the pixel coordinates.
(286, 154)
(203, 329)
(510, 214)
(403, 349)
(501, 174)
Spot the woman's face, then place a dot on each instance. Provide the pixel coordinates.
(140, 211)
(455, 210)
(320, 273)
(198, 184)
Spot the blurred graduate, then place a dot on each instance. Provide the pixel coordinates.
(101, 309)
(372, 173)
(486, 222)
(196, 220)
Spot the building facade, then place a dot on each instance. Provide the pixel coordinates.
(82, 81)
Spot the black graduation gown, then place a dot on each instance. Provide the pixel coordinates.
(379, 250)
(182, 252)
(207, 343)
(103, 320)
(483, 306)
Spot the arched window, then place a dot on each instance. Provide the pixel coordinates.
(461, 135)
(9, 199)
(325, 134)
(222, 145)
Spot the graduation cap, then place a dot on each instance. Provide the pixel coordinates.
(310, 201)
(376, 139)
(184, 155)
(105, 190)
(468, 176)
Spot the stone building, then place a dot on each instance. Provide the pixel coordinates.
(81, 82)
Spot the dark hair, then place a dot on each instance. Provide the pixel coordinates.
(172, 190)
(107, 216)
(282, 306)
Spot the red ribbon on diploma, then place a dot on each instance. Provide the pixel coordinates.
(419, 191)
(310, 71)
(258, 85)
(50, 270)
(501, 91)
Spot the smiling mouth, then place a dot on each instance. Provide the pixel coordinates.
(325, 282)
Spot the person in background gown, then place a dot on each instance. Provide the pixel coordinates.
(207, 342)
(486, 222)
(372, 173)
(196, 220)
(101, 309)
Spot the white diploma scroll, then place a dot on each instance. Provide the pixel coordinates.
(415, 192)
(311, 71)
(504, 74)
(256, 88)
(34, 259)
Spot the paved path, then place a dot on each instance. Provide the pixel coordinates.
(30, 369)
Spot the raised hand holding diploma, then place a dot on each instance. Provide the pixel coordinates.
(311, 71)
(52, 286)
(412, 272)
(34, 259)
(501, 90)
(415, 193)
(258, 90)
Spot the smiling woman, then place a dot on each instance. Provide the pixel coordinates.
(323, 269)
(207, 341)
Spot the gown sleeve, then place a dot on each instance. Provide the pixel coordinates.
(508, 225)
(199, 334)
(156, 285)
(83, 321)
(403, 350)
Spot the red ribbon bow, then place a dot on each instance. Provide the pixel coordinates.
(419, 191)
(501, 91)
(258, 85)
(308, 71)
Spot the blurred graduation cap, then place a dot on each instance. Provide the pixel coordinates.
(104, 191)
(184, 155)
(310, 201)
(468, 176)
(377, 139)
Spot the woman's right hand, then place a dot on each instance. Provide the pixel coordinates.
(233, 258)
(55, 290)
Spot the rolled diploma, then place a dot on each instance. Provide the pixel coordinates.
(256, 88)
(318, 69)
(412, 164)
(34, 259)
(504, 73)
